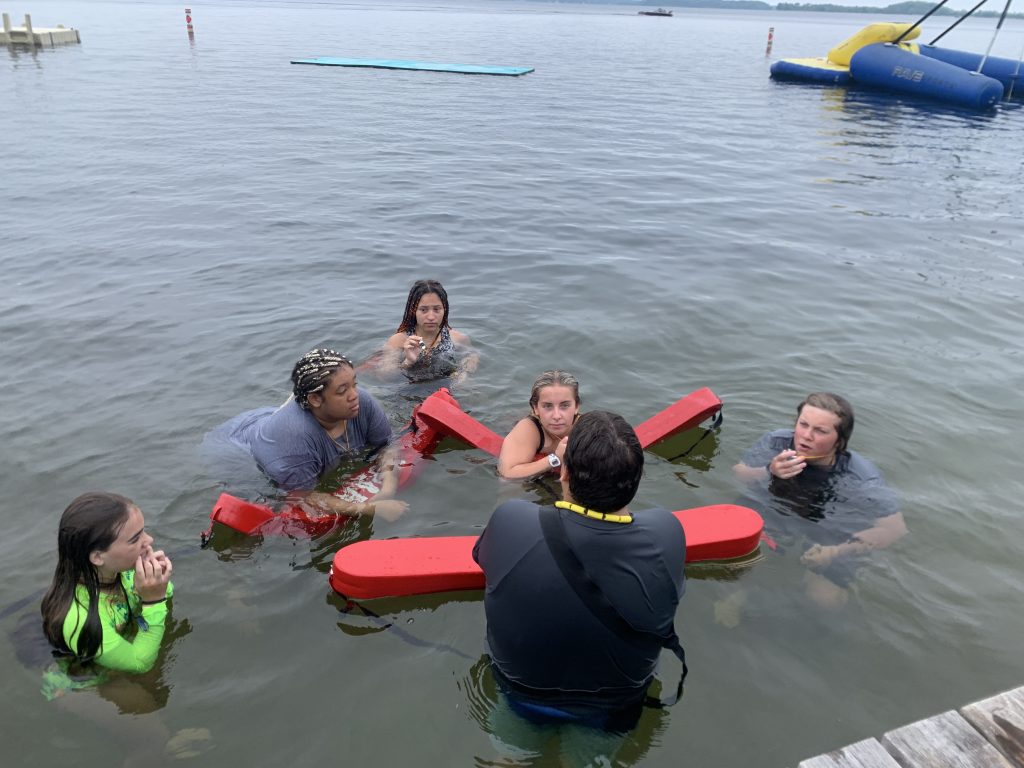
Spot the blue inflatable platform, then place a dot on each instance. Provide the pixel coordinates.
(819, 70)
(885, 66)
(884, 56)
(465, 69)
(1007, 71)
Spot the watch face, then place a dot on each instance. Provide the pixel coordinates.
(553, 460)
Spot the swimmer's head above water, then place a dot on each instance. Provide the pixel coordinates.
(839, 407)
(420, 289)
(313, 371)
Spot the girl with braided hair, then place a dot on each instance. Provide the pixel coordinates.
(425, 346)
(327, 419)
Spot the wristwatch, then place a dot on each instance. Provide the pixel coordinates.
(554, 461)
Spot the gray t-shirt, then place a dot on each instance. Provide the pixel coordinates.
(838, 501)
(291, 446)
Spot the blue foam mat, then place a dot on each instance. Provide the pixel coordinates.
(466, 69)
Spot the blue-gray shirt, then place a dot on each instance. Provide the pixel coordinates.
(291, 446)
(847, 497)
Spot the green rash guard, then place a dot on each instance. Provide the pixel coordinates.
(116, 651)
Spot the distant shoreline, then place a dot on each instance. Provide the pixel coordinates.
(911, 8)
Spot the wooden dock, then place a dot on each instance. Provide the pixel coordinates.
(986, 734)
(36, 37)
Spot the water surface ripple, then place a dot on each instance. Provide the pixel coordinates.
(178, 222)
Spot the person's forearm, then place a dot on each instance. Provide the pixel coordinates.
(750, 474)
(388, 463)
(886, 532)
(526, 470)
(333, 505)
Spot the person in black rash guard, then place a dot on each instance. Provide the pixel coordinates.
(829, 497)
(551, 654)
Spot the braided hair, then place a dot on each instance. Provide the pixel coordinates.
(420, 289)
(313, 371)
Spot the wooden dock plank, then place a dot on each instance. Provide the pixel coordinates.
(946, 740)
(1000, 719)
(864, 754)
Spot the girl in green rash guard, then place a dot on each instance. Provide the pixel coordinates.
(108, 600)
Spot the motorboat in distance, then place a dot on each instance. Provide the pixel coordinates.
(659, 12)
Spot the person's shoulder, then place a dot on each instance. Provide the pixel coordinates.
(396, 339)
(524, 426)
(862, 468)
(515, 508)
(289, 416)
(658, 517)
(514, 521)
(459, 337)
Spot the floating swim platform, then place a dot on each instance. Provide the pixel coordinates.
(425, 66)
(437, 417)
(402, 567)
(834, 69)
(873, 58)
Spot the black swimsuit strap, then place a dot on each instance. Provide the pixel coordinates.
(543, 437)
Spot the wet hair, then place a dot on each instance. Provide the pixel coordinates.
(833, 404)
(554, 379)
(604, 461)
(313, 371)
(92, 522)
(420, 289)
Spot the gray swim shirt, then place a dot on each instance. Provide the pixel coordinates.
(292, 448)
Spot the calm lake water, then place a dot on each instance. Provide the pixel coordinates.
(180, 221)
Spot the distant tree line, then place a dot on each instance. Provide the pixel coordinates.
(909, 8)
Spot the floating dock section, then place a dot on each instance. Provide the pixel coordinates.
(986, 734)
(36, 37)
(426, 66)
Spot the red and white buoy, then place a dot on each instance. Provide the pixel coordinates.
(771, 36)
(188, 20)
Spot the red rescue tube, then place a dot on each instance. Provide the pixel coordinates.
(685, 413)
(401, 567)
(437, 416)
(445, 416)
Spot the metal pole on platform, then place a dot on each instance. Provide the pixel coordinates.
(918, 23)
(999, 25)
(1016, 75)
(7, 26)
(953, 25)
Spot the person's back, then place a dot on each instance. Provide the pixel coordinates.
(549, 645)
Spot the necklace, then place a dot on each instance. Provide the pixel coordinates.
(347, 447)
(606, 516)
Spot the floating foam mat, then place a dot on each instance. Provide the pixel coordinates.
(426, 66)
